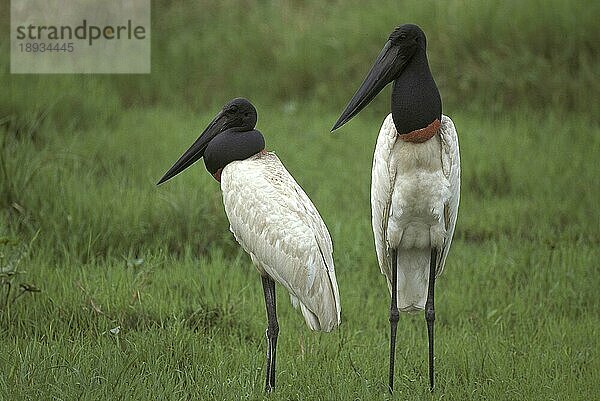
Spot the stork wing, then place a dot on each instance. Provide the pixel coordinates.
(382, 184)
(451, 169)
(277, 224)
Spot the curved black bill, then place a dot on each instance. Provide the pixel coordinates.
(386, 68)
(196, 151)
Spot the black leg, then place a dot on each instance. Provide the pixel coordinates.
(272, 331)
(430, 312)
(394, 317)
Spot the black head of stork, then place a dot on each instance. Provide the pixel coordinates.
(416, 101)
(229, 136)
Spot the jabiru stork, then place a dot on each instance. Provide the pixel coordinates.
(415, 185)
(272, 219)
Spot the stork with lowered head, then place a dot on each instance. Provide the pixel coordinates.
(271, 217)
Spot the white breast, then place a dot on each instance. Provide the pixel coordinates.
(420, 191)
(415, 191)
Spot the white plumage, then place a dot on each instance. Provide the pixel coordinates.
(277, 224)
(415, 192)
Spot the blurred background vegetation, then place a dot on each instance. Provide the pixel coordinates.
(485, 55)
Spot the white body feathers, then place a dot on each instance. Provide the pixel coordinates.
(415, 191)
(277, 224)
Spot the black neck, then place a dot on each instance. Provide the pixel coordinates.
(416, 101)
(232, 145)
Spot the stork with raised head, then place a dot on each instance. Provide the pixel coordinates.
(415, 184)
(272, 219)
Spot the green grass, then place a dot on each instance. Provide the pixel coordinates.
(517, 306)
(82, 220)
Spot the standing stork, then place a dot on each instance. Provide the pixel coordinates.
(272, 219)
(415, 182)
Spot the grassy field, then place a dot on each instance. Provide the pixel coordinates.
(112, 288)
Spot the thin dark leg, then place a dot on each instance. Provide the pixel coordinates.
(394, 317)
(430, 312)
(272, 331)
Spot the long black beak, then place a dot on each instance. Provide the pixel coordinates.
(387, 67)
(196, 151)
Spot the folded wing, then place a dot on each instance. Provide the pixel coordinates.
(277, 224)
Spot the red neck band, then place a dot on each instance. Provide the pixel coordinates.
(423, 134)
